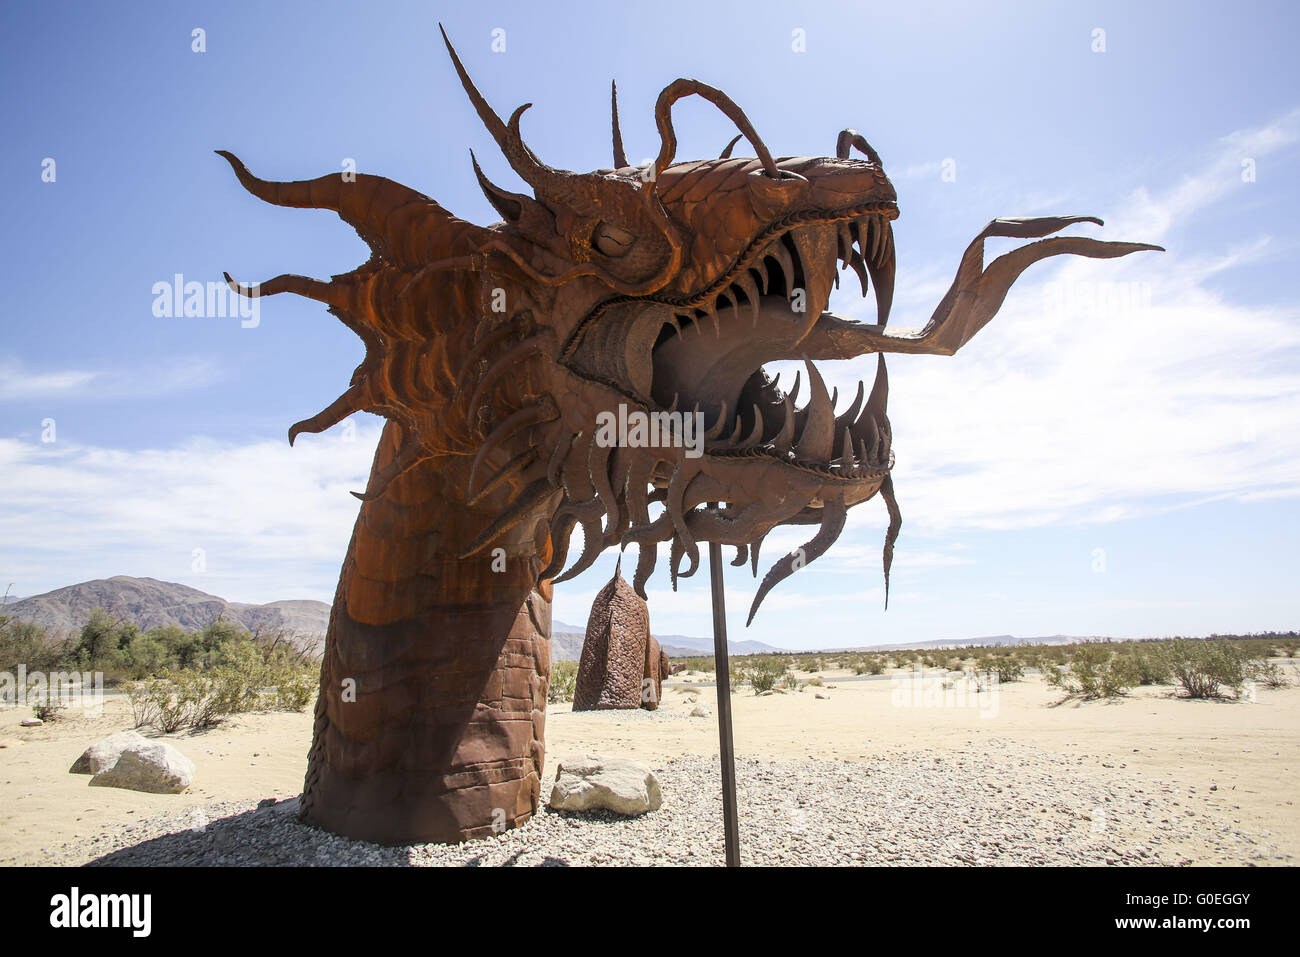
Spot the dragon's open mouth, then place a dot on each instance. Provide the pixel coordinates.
(707, 353)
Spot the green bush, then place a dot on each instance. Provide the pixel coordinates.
(564, 681)
(762, 673)
(1152, 668)
(1208, 668)
(1004, 667)
(47, 706)
(1267, 673)
(1095, 672)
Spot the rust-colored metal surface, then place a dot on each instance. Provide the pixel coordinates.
(622, 665)
(596, 355)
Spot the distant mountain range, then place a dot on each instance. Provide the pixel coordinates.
(150, 603)
(563, 636)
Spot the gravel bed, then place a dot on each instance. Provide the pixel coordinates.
(1015, 806)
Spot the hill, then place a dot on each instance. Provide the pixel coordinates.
(150, 603)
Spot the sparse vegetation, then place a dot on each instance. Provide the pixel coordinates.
(1094, 672)
(564, 681)
(1207, 669)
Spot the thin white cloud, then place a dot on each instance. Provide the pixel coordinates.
(1107, 389)
(19, 382)
(270, 522)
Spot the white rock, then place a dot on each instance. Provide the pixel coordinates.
(700, 711)
(31, 722)
(154, 766)
(104, 754)
(824, 697)
(588, 781)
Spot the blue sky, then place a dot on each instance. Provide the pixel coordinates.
(1117, 453)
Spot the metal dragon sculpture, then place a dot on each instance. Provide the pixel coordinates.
(493, 351)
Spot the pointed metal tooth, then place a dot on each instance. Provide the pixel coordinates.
(878, 402)
(722, 301)
(818, 434)
(851, 413)
(676, 326)
(761, 277)
(756, 433)
(845, 243)
(716, 429)
(861, 269)
(835, 398)
(783, 258)
(845, 459)
(869, 432)
(794, 392)
(835, 277)
(746, 284)
(882, 277)
(673, 406)
(776, 383)
(733, 440)
(861, 238)
(863, 456)
(785, 435)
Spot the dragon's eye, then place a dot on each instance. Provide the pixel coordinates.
(611, 240)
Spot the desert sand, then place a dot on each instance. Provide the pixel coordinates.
(1223, 768)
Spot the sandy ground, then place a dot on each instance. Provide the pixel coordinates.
(1233, 764)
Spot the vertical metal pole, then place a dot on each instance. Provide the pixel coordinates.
(723, 670)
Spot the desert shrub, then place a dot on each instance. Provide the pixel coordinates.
(814, 683)
(294, 688)
(564, 681)
(866, 665)
(30, 644)
(163, 707)
(1094, 672)
(143, 708)
(1206, 669)
(1152, 668)
(47, 704)
(1004, 667)
(141, 656)
(762, 674)
(1267, 673)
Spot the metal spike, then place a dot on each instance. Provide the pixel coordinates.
(786, 262)
(716, 429)
(785, 435)
(850, 414)
(818, 434)
(833, 514)
(845, 460)
(755, 433)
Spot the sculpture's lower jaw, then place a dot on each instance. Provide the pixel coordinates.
(443, 739)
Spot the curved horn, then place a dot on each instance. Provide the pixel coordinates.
(521, 159)
(668, 138)
(620, 157)
(851, 138)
